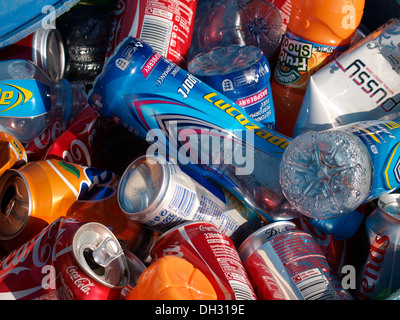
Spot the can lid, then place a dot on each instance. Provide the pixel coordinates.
(48, 52)
(15, 204)
(100, 255)
(390, 205)
(262, 235)
(142, 185)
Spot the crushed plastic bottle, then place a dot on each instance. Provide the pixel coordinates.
(242, 73)
(30, 100)
(243, 22)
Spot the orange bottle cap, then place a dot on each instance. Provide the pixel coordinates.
(172, 278)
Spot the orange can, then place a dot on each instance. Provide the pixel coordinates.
(172, 278)
(12, 152)
(40, 192)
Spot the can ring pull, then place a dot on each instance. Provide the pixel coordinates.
(106, 252)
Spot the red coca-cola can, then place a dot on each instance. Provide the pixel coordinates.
(167, 26)
(44, 47)
(69, 260)
(210, 251)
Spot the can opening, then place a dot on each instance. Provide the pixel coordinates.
(8, 200)
(89, 258)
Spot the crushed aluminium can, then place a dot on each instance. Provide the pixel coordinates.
(285, 263)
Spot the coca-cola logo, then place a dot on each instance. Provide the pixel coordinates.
(115, 27)
(205, 228)
(82, 283)
(372, 268)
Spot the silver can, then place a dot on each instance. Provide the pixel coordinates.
(160, 195)
(380, 274)
(285, 263)
(44, 47)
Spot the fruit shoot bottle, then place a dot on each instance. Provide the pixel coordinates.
(317, 32)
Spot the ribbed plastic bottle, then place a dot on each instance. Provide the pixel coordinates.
(30, 101)
(318, 31)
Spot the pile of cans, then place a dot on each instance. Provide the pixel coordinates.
(87, 214)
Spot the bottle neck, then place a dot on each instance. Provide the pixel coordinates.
(67, 99)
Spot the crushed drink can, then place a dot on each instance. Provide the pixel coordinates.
(157, 193)
(69, 260)
(285, 263)
(165, 25)
(212, 253)
(12, 152)
(44, 47)
(379, 276)
(40, 192)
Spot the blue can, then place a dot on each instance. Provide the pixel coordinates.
(241, 73)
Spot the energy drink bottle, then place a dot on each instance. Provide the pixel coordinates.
(189, 122)
(317, 31)
(30, 101)
(330, 173)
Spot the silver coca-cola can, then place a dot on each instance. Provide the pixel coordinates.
(380, 274)
(44, 47)
(285, 263)
(69, 260)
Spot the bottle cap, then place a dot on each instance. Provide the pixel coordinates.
(326, 174)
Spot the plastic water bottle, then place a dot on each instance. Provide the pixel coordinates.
(330, 173)
(30, 101)
(244, 22)
(241, 73)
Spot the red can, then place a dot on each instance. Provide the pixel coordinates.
(69, 260)
(212, 253)
(167, 26)
(44, 47)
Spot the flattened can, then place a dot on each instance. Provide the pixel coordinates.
(167, 26)
(157, 193)
(212, 253)
(44, 47)
(12, 152)
(285, 263)
(380, 274)
(69, 260)
(38, 193)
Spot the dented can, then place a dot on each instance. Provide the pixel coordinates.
(40, 192)
(212, 253)
(44, 47)
(285, 263)
(159, 194)
(69, 260)
(380, 275)
(165, 25)
(12, 152)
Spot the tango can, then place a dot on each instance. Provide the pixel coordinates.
(285, 263)
(213, 253)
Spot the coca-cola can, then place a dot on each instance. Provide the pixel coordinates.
(157, 193)
(380, 274)
(44, 47)
(285, 263)
(212, 253)
(69, 260)
(167, 26)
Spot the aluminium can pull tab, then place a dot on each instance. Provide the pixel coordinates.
(106, 252)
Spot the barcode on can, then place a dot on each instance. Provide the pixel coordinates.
(182, 201)
(241, 290)
(156, 32)
(313, 285)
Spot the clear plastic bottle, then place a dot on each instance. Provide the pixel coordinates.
(245, 22)
(330, 173)
(29, 100)
(242, 73)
